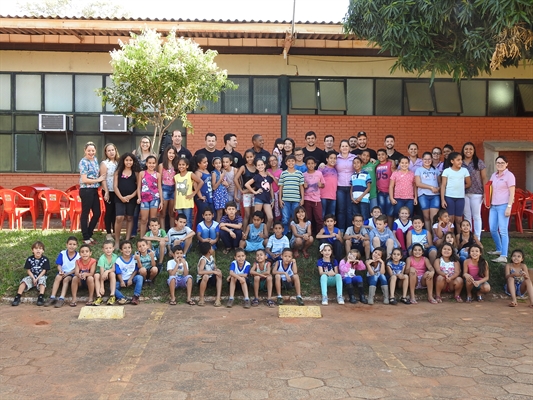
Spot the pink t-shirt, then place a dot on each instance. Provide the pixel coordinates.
(312, 192)
(345, 266)
(277, 174)
(403, 185)
(418, 266)
(345, 169)
(500, 187)
(330, 178)
(472, 269)
(383, 174)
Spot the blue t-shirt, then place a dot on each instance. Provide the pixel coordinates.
(359, 181)
(396, 268)
(67, 264)
(126, 268)
(244, 270)
(326, 266)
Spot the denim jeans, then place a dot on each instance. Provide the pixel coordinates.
(344, 207)
(409, 203)
(361, 208)
(287, 213)
(373, 203)
(499, 225)
(137, 287)
(328, 207)
(385, 204)
(188, 214)
(373, 280)
(326, 281)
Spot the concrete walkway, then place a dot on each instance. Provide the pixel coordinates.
(468, 351)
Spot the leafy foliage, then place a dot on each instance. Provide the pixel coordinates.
(54, 8)
(455, 37)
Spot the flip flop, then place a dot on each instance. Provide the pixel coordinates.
(73, 304)
(513, 304)
(172, 302)
(191, 302)
(458, 299)
(439, 299)
(306, 254)
(432, 301)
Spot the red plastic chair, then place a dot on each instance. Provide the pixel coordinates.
(70, 189)
(527, 206)
(517, 209)
(15, 206)
(54, 202)
(75, 209)
(27, 191)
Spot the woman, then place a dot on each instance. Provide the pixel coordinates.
(474, 194)
(90, 179)
(107, 169)
(427, 180)
(503, 190)
(414, 161)
(446, 151)
(288, 149)
(344, 167)
(435, 159)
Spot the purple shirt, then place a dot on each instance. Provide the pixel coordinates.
(345, 170)
(500, 187)
(475, 177)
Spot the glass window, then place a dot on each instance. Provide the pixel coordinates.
(447, 97)
(58, 154)
(123, 142)
(388, 97)
(266, 96)
(501, 98)
(6, 152)
(28, 92)
(86, 99)
(5, 123)
(526, 96)
(332, 96)
(238, 101)
(419, 96)
(209, 107)
(28, 152)
(474, 98)
(58, 93)
(79, 145)
(87, 124)
(25, 123)
(360, 94)
(5, 92)
(303, 95)
(109, 83)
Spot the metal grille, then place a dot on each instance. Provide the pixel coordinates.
(266, 96)
(238, 101)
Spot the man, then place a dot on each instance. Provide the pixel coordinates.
(361, 146)
(210, 150)
(391, 153)
(230, 144)
(311, 150)
(329, 143)
(257, 147)
(176, 141)
(353, 143)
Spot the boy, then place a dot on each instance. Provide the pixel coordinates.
(145, 259)
(370, 223)
(181, 235)
(370, 167)
(285, 272)
(178, 276)
(384, 170)
(276, 243)
(328, 193)
(357, 237)
(382, 236)
(37, 265)
(291, 191)
(106, 272)
(314, 181)
(231, 227)
(332, 235)
(84, 275)
(157, 240)
(66, 263)
(127, 275)
(238, 271)
(208, 230)
(262, 278)
(208, 274)
(299, 165)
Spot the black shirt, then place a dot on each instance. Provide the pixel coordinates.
(210, 155)
(238, 161)
(263, 154)
(318, 154)
(396, 156)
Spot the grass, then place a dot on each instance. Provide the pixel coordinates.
(16, 247)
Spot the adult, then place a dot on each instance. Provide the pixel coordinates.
(415, 162)
(90, 180)
(427, 181)
(362, 146)
(344, 167)
(210, 150)
(143, 151)
(435, 159)
(182, 152)
(258, 144)
(230, 144)
(288, 150)
(310, 150)
(329, 143)
(446, 151)
(503, 191)
(107, 168)
(474, 194)
(392, 154)
(352, 141)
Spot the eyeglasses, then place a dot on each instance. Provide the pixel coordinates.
(500, 162)
(427, 159)
(299, 154)
(437, 153)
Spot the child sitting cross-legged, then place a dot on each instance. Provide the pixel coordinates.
(238, 272)
(178, 276)
(285, 273)
(261, 277)
(328, 269)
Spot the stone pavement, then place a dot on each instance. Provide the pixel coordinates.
(468, 351)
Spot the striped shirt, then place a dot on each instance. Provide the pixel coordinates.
(291, 182)
(359, 183)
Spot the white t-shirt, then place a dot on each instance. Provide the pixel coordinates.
(456, 182)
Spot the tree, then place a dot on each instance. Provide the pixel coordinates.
(462, 38)
(54, 8)
(157, 81)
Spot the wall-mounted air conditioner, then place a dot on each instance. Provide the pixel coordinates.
(55, 123)
(113, 123)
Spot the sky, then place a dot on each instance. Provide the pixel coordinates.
(280, 10)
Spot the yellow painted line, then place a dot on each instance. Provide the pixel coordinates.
(299, 312)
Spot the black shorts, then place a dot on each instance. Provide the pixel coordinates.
(128, 208)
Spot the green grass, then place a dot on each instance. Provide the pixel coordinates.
(16, 247)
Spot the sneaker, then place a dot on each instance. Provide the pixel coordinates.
(16, 301)
(98, 301)
(60, 303)
(122, 301)
(230, 303)
(40, 300)
(135, 300)
(50, 302)
(299, 300)
(500, 259)
(111, 300)
(279, 301)
(494, 253)
(324, 300)
(247, 303)
(340, 300)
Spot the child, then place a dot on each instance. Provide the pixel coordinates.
(382, 236)
(332, 235)
(465, 239)
(328, 269)
(256, 235)
(238, 271)
(421, 273)
(276, 243)
(313, 182)
(278, 150)
(107, 168)
(157, 239)
(441, 226)
(261, 278)
(291, 191)
(125, 186)
(36, 266)
(384, 170)
(420, 235)
(476, 274)
(328, 193)
(181, 235)
(261, 187)
(66, 263)
(401, 226)
(402, 188)
(369, 166)
(188, 185)
(397, 275)
(376, 272)
(302, 238)
(455, 180)
(178, 271)
(208, 230)
(361, 184)
(275, 172)
(167, 171)
(220, 187)
(149, 193)
(204, 196)
(231, 227)
(370, 223)
(84, 275)
(244, 174)
(229, 178)
(351, 269)
(449, 238)
(145, 259)
(106, 272)
(518, 282)
(448, 272)
(127, 275)
(357, 237)
(208, 273)
(285, 273)
(299, 165)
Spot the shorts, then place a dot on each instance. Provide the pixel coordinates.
(128, 208)
(146, 205)
(259, 201)
(157, 252)
(419, 282)
(29, 282)
(262, 284)
(212, 281)
(455, 206)
(517, 289)
(358, 245)
(254, 246)
(67, 275)
(248, 200)
(429, 201)
(179, 281)
(168, 192)
(287, 285)
(238, 284)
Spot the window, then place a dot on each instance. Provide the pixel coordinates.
(79, 147)
(28, 92)
(59, 152)
(26, 123)
(5, 123)
(266, 97)
(58, 93)
(526, 96)
(86, 99)
(6, 152)
(360, 94)
(303, 95)
(332, 96)
(474, 98)
(388, 97)
(28, 151)
(447, 97)
(5, 92)
(209, 107)
(419, 97)
(238, 101)
(501, 98)
(109, 83)
(83, 123)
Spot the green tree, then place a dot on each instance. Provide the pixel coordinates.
(156, 81)
(462, 38)
(54, 8)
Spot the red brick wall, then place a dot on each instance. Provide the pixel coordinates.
(57, 181)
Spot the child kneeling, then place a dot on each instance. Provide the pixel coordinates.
(328, 268)
(178, 276)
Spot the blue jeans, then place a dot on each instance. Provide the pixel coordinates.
(427, 201)
(385, 204)
(353, 280)
(373, 280)
(137, 287)
(373, 203)
(361, 208)
(287, 213)
(188, 214)
(328, 207)
(326, 281)
(344, 207)
(409, 203)
(499, 225)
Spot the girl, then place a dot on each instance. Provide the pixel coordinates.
(518, 282)
(302, 237)
(427, 181)
(384, 170)
(435, 159)
(167, 170)
(449, 238)
(277, 152)
(344, 166)
(143, 151)
(420, 235)
(448, 273)
(256, 235)
(83, 275)
(402, 188)
(107, 169)
(313, 182)
(275, 172)
(328, 193)
(149, 193)
(421, 273)
(474, 194)
(261, 187)
(465, 239)
(328, 269)
(125, 185)
(144, 257)
(401, 226)
(188, 185)
(261, 278)
(446, 151)
(220, 187)
(476, 274)
(351, 269)
(375, 267)
(455, 180)
(204, 197)
(397, 274)
(414, 161)
(244, 174)
(227, 166)
(441, 226)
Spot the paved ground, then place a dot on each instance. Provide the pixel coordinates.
(468, 351)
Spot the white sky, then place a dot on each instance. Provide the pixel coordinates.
(281, 10)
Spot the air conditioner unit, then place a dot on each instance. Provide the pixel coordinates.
(55, 123)
(113, 123)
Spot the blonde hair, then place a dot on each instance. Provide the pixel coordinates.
(139, 152)
(117, 156)
(89, 144)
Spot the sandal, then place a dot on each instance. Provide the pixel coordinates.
(513, 304)
(225, 251)
(201, 303)
(73, 304)
(270, 303)
(458, 299)
(90, 303)
(432, 301)
(255, 302)
(296, 254)
(172, 302)
(218, 303)
(479, 298)
(191, 302)
(405, 300)
(469, 299)
(306, 254)
(413, 301)
(439, 299)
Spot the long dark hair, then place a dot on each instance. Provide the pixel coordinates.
(196, 160)
(293, 147)
(482, 263)
(475, 158)
(136, 167)
(164, 160)
(453, 257)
